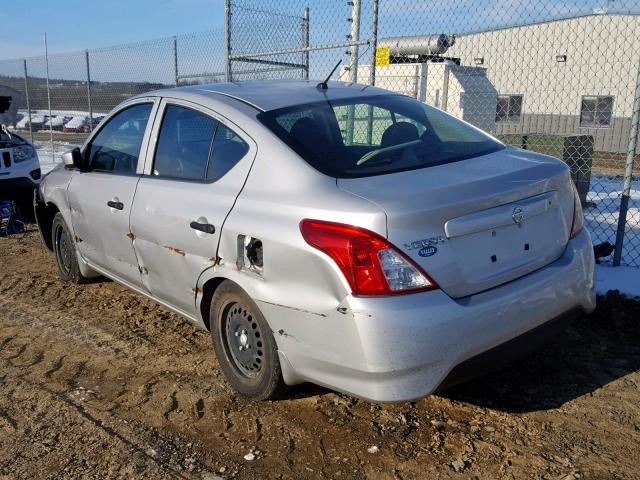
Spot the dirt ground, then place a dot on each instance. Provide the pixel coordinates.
(97, 382)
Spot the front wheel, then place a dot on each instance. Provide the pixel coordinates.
(244, 344)
(65, 251)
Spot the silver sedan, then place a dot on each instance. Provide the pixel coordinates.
(346, 236)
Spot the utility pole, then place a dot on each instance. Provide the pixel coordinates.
(86, 57)
(46, 58)
(26, 92)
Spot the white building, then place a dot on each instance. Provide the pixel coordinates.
(574, 76)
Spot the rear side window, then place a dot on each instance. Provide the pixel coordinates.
(194, 146)
(375, 135)
(228, 149)
(116, 147)
(184, 144)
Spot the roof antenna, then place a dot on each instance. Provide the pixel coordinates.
(323, 85)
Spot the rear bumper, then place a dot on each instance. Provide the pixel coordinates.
(508, 351)
(401, 348)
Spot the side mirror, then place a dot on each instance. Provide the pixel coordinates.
(73, 158)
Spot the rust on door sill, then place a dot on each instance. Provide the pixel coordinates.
(175, 250)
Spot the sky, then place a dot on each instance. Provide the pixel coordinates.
(73, 25)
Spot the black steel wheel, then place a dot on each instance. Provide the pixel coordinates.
(243, 339)
(65, 251)
(244, 344)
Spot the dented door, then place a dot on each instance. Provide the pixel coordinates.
(181, 202)
(101, 229)
(101, 199)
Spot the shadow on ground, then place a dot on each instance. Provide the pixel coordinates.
(594, 351)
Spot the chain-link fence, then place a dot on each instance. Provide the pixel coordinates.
(553, 77)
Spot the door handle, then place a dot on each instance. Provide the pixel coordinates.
(203, 227)
(116, 205)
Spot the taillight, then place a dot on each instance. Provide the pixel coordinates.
(371, 264)
(578, 218)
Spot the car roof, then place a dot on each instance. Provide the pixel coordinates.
(274, 94)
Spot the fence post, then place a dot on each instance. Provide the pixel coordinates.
(227, 41)
(86, 56)
(175, 59)
(355, 36)
(353, 64)
(46, 59)
(373, 45)
(305, 43)
(628, 173)
(26, 94)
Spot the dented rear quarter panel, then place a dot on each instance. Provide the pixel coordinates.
(270, 207)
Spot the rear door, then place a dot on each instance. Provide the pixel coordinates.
(100, 200)
(196, 167)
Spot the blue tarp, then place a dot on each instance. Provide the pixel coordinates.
(9, 217)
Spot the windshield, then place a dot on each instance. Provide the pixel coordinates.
(365, 136)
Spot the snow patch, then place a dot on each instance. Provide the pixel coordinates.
(624, 279)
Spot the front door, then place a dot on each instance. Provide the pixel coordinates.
(101, 198)
(198, 169)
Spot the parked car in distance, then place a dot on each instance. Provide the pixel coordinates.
(37, 121)
(91, 125)
(23, 123)
(57, 122)
(337, 234)
(76, 124)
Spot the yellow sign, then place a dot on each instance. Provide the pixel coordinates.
(383, 54)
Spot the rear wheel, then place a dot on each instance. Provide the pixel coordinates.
(65, 251)
(244, 344)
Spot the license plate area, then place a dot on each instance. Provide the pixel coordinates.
(502, 243)
(506, 252)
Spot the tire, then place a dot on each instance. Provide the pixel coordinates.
(65, 251)
(244, 344)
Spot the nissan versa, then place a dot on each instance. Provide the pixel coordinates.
(338, 234)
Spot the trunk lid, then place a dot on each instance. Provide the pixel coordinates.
(477, 223)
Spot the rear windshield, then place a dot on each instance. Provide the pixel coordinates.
(375, 135)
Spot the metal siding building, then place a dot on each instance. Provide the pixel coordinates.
(602, 59)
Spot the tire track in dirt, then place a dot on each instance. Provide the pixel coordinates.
(95, 423)
(62, 388)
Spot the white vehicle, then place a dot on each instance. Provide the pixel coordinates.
(23, 123)
(57, 122)
(19, 165)
(37, 121)
(76, 124)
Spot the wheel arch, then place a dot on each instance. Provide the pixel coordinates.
(45, 213)
(208, 290)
